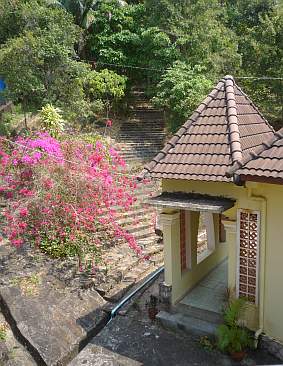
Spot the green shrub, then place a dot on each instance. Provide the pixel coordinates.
(6, 120)
(180, 91)
(51, 120)
(231, 336)
(103, 89)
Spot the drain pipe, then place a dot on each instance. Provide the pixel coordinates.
(128, 297)
(263, 203)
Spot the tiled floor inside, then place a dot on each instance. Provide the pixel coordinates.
(209, 294)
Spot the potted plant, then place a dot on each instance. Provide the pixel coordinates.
(232, 337)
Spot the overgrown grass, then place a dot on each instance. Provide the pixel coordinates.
(28, 285)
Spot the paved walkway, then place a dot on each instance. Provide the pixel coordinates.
(209, 294)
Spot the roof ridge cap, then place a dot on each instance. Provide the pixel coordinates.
(263, 146)
(232, 117)
(177, 135)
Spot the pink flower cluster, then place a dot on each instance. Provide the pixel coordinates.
(65, 194)
(32, 150)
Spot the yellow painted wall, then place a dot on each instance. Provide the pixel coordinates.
(184, 282)
(273, 267)
(269, 313)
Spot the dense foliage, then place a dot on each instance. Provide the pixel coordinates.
(82, 10)
(64, 208)
(141, 40)
(198, 32)
(120, 35)
(258, 25)
(38, 59)
(105, 87)
(180, 90)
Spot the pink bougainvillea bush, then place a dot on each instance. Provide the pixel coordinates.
(61, 196)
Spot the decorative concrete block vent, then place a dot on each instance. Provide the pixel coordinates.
(272, 346)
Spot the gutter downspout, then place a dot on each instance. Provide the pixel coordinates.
(262, 261)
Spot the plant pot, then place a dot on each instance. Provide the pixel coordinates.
(152, 312)
(238, 356)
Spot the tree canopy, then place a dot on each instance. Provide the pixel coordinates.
(144, 41)
(180, 90)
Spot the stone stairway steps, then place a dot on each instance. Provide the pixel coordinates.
(145, 124)
(139, 157)
(140, 138)
(146, 116)
(128, 221)
(125, 269)
(132, 148)
(152, 122)
(139, 146)
(200, 311)
(127, 131)
(188, 324)
(149, 111)
(144, 106)
(153, 250)
(138, 93)
(139, 141)
(139, 150)
(124, 216)
(135, 123)
(138, 153)
(192, 311)
(139, 228)
(142, 234)
(134, 277)
(145, 135)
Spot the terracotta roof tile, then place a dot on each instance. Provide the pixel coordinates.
(266, 161)
(217, 137)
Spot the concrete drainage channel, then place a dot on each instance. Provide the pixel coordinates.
(109, 316)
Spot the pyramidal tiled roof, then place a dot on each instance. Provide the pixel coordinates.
(221, 133)
(265, 162)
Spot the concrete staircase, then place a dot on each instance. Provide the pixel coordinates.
(120, 267)
(200, 312)
(191, 320)
(142, 135)
(197, 326)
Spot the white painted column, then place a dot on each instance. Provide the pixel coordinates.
(171, 238)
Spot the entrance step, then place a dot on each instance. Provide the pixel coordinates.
(185, 323)
(197, 313)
